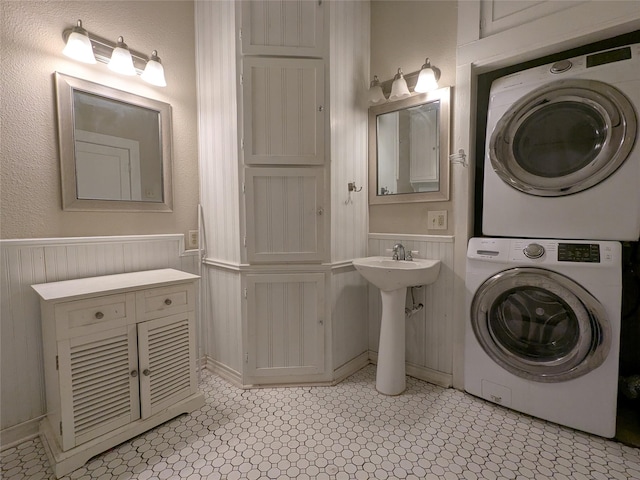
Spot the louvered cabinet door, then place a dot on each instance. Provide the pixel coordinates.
(99, 386)
(167, 361)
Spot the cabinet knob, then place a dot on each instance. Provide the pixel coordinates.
(134, 373)
(146, 372)
(99, 315)
(167, 301)
(320, 211)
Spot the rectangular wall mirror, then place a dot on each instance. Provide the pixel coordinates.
(409, 149)
(115, 148)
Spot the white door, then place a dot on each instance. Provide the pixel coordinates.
(98, 384)
(285, 325)
(283, 27)
(167, 361)
(286, 221)
(107, 167)
(283, 111)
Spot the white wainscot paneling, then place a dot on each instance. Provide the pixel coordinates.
(222, 321)
(429, 332)
(218, 127)
(349, 321)
(27, 262)
(349, 47)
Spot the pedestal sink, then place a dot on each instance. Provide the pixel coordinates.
(393, 277)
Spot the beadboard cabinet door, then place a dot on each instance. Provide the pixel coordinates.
(285, 326)
(283, 111)
(282, 27)
(285, 214)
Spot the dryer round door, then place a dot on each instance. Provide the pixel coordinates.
(563, 138)
(540, 325)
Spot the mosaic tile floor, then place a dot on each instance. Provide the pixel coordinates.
(346, 432)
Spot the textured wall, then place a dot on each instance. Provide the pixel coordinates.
(403, 34)
(31, 50)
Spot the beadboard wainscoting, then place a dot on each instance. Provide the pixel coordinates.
(349, 320)
(429, 331)
(26, 262)
(222, 320)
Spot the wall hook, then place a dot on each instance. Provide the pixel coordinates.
(352, 187)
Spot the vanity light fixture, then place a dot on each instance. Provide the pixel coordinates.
(427, 79)
(78, 45)
(399, 88)
(117, 55)
(121, 60)
(376, 97)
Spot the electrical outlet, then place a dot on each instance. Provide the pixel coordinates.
(437, 220)
(192, 241)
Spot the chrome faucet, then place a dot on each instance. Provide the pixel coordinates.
(398, 252)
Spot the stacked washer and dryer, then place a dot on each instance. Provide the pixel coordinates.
(544, 285)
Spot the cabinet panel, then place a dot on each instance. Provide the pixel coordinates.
(98, 384)
(282, 27)
(285, 324)
(167, 361)
(497, 16)
(285, 214)
(283, 110)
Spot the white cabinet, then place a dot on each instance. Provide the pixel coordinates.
(283, 111)
(283, 27)
(500, 15)
(286, 219)
(285, 326)
(120, 358)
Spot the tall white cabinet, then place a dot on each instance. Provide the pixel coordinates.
(120, 358)
(267, 140)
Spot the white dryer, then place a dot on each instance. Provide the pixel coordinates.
(563, 151)
(543, 331)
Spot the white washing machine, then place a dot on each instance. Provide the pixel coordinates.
(562, 150)
(543, 333)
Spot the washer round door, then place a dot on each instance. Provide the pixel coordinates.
(540, 325)
(563, 138)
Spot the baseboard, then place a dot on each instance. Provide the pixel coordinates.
(223, 371)
(12, 436)
(421, 373)
(351, 367)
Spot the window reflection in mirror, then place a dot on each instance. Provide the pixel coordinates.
(409, 149)
(115, 148)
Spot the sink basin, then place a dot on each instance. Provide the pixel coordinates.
(389, 275)
(393, 277)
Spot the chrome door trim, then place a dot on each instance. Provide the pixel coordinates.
(609, 103)
(595, 331)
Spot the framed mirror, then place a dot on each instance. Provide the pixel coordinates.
(115, 148)
(409, 149)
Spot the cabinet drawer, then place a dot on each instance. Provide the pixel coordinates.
(94, 314)
(160, 302)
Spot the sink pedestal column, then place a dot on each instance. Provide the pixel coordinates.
(390, 375)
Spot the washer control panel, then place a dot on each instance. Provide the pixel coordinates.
(533, 250)
(579, 252)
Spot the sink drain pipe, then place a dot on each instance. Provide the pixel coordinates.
(415, 308)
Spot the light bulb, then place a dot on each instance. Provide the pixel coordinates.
(399, 87)
(121, 61)
(79, 46)
(376, 96)
(154, 71)
(427, 80)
